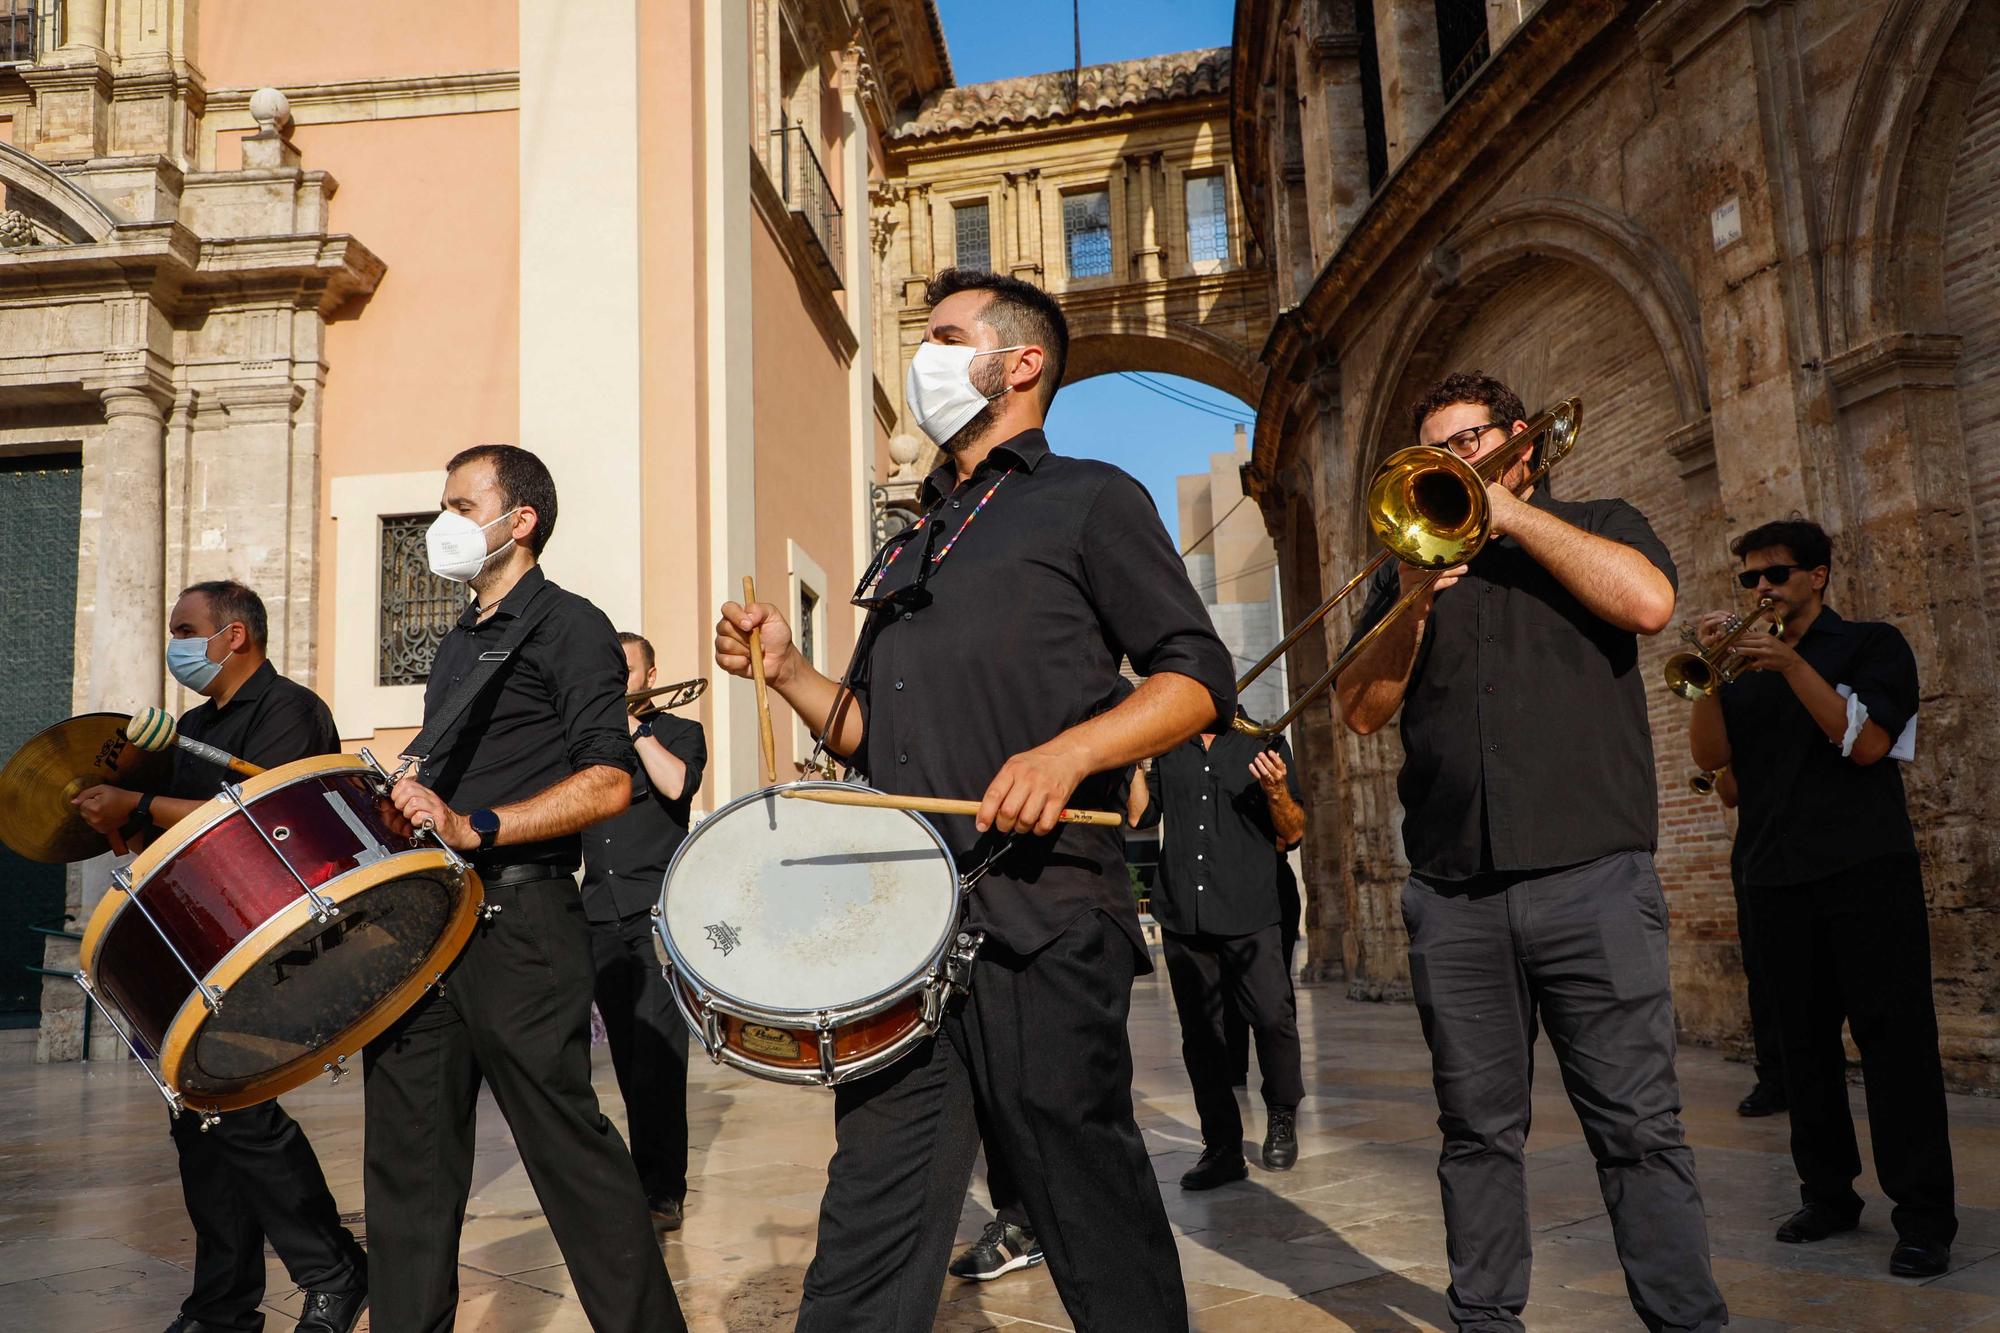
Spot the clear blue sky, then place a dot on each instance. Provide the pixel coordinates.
(1107, 417)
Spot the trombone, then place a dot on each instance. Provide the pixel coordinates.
(1428, 508)
(1697, 671)
(679, 695)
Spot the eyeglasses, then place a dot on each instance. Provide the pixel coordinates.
(912, 596)
(1777, 574)
(1465, 443)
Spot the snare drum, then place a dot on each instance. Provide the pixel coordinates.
(272, 933)
(812, 943)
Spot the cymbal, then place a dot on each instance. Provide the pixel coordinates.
(36, 817)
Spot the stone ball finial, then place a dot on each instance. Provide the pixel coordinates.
(271, 109)
(903, 452)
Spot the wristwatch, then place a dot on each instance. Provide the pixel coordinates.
(487, 825)
(142, 817)
(643, 729)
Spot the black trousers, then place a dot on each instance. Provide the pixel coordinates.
(1040, 1042)
(514, 1014)
(252, 1175)
(1000, 1184)
(1250, 970)
(649, 1050)
(1234, 1026)
(1766, 1035)
(1856, 946)
(1583, 949)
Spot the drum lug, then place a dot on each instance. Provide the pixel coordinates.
(209, 1120)
(711, 1030)
(437, 979)
(488, 911)
(121, 880)
(826, 1056)
(336, 1067)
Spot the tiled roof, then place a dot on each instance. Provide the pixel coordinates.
(1118, 85)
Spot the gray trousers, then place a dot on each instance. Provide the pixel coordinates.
(1583, 950)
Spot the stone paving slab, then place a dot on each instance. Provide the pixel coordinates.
(94, 1238)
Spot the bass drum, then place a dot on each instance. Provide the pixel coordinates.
(811, 943)
(273, 932)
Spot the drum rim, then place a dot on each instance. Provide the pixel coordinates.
(193, 1014)
(879, 999)
(810, 1076)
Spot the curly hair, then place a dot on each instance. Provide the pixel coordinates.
(1468, 386)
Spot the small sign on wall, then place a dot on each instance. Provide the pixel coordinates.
(1725, 223)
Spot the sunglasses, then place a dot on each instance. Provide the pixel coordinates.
(913, 596)
(1777, 574)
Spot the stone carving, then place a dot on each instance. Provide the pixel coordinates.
(17, 232)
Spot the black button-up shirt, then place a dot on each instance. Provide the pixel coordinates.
(1525, 739)
(625, 857)
(556, 708)
(1805, 811)
(1065, 571)
(269, 721)
(1219, 858)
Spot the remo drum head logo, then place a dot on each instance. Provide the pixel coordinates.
(724, 936)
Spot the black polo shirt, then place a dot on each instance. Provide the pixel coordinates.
(1525, 739)
(1066, 570)
(1219, 859)
(1804, 810)
(625, 857)
(269, 721)
(556, 708)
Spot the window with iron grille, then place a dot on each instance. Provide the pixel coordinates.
(1207, 220)
(417, 608)
(1087, 233)
(20, 22)
(808, 611)
(975, 236)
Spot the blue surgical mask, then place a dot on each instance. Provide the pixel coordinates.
(188, 660)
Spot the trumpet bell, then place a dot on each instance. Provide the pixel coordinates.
(1429, 507)
(1689, 675)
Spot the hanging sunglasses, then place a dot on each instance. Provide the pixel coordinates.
(875, 592)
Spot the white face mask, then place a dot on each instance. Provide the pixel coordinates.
(940, 391)
(457, 546)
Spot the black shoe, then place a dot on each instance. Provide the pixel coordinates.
(1001, 1248)
(666, 1214)
(1919, 1258)
(1816, 1222)
(1218, 1166)
(1281, 1139)
(1764, 1099)
(332, 1311)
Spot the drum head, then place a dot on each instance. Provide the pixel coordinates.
(796, 905)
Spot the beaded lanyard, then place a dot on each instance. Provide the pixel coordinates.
(937, 559)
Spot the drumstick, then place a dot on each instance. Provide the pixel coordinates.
(155, 729)
(764, 736)
(933, 805)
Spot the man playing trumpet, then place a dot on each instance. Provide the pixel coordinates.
(1815, 732)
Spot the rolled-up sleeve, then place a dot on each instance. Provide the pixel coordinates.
(1622, 523)
(1883, 676)
(691, 748)
(586, 670)
(1140, 591)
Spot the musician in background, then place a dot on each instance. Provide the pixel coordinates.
(1529, 819)
(1768, 1096)
(540, 755)
(252, 1175)
(624, 863)
(986, 665)
(1816, 732)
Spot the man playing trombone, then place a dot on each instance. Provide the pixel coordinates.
(1530, 817)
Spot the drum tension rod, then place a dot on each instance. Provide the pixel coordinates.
(324, 908)
(336, 1067)
(488, 911)
(103, 1003)
(121, 879)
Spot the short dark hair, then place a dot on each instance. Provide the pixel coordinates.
(645, 648)
(230, 601)
(1806, 540)
(1019, 312)
(523, 479)
(1468, 386)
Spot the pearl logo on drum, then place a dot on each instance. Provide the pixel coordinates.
(724, 936)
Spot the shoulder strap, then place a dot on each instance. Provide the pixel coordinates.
(434, 741)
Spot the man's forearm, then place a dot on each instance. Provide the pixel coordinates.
(1372, 688)
(570, 806)
(1614, 582)
(1288, 817)
(1708, 735)
(813, 696)
(666, 770)
(1165, 710)
(1829, 714)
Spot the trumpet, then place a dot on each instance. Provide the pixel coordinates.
(1428, 507)
(1703, 783)
(1699, 671)
(680, 694)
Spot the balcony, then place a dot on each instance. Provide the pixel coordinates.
(803, 185)
(22, 24)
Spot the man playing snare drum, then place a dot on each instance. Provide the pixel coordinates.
(988, 665)
(252, 1175)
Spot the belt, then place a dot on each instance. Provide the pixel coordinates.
(520, 872)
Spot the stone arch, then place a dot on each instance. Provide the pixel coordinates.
(1893, 167)
(50, 200)
(1103, 345)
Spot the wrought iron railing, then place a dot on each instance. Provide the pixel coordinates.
(1468, 65)
(417, 608)
(808, 195)
(22, 25)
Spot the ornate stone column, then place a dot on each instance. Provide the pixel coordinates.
(127, 475)
(922, 260)
(1148, 260)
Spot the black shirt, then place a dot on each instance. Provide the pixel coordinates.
(1064, 572)
(625, 857)
(1219, 856)
(1525, 739)
(269, 721)
(556, 708)
(1804, 810)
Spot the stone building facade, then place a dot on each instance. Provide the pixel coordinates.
(1760, 240)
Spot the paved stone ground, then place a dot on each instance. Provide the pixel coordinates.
(93, 1238)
